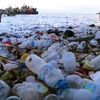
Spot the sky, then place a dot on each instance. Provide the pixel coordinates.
(56, 6)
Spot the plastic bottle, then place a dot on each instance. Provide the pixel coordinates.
(69, 61)
(13, 98)
(12, 41)
(33, 43)
(5, 40)
(10, 66)
(14, 89)
(81, 46)
(44, 56)
(47, 43)
(23, 45)
(74, 81)
(90, 57)
(95, 76)
(54, 64)
(27, 43)
(5, 90)
(51, 97)
(97, 36)
(96, 62)
(15, 41)
(30, 79)
(39, 87)
(73, 43)
(45, 71)
(54, 47)
(38, 44)
(78, 94)
(34, 63)
(93, 42)
(53, 56)
(26, 91)
(88, 65)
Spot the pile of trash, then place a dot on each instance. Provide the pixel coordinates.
(51, 65)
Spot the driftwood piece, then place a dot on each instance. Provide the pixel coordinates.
(91, 49)
(9, 59)
(38, 52)
(88, 49)
(81, 75)
(82, 39)
(83, 57)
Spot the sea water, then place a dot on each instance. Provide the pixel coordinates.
(27, 23)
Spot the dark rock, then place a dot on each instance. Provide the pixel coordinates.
(92, 25)
(69, 33)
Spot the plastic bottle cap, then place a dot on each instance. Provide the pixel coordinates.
(24, 56)
(95, 97)
(62, 84)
